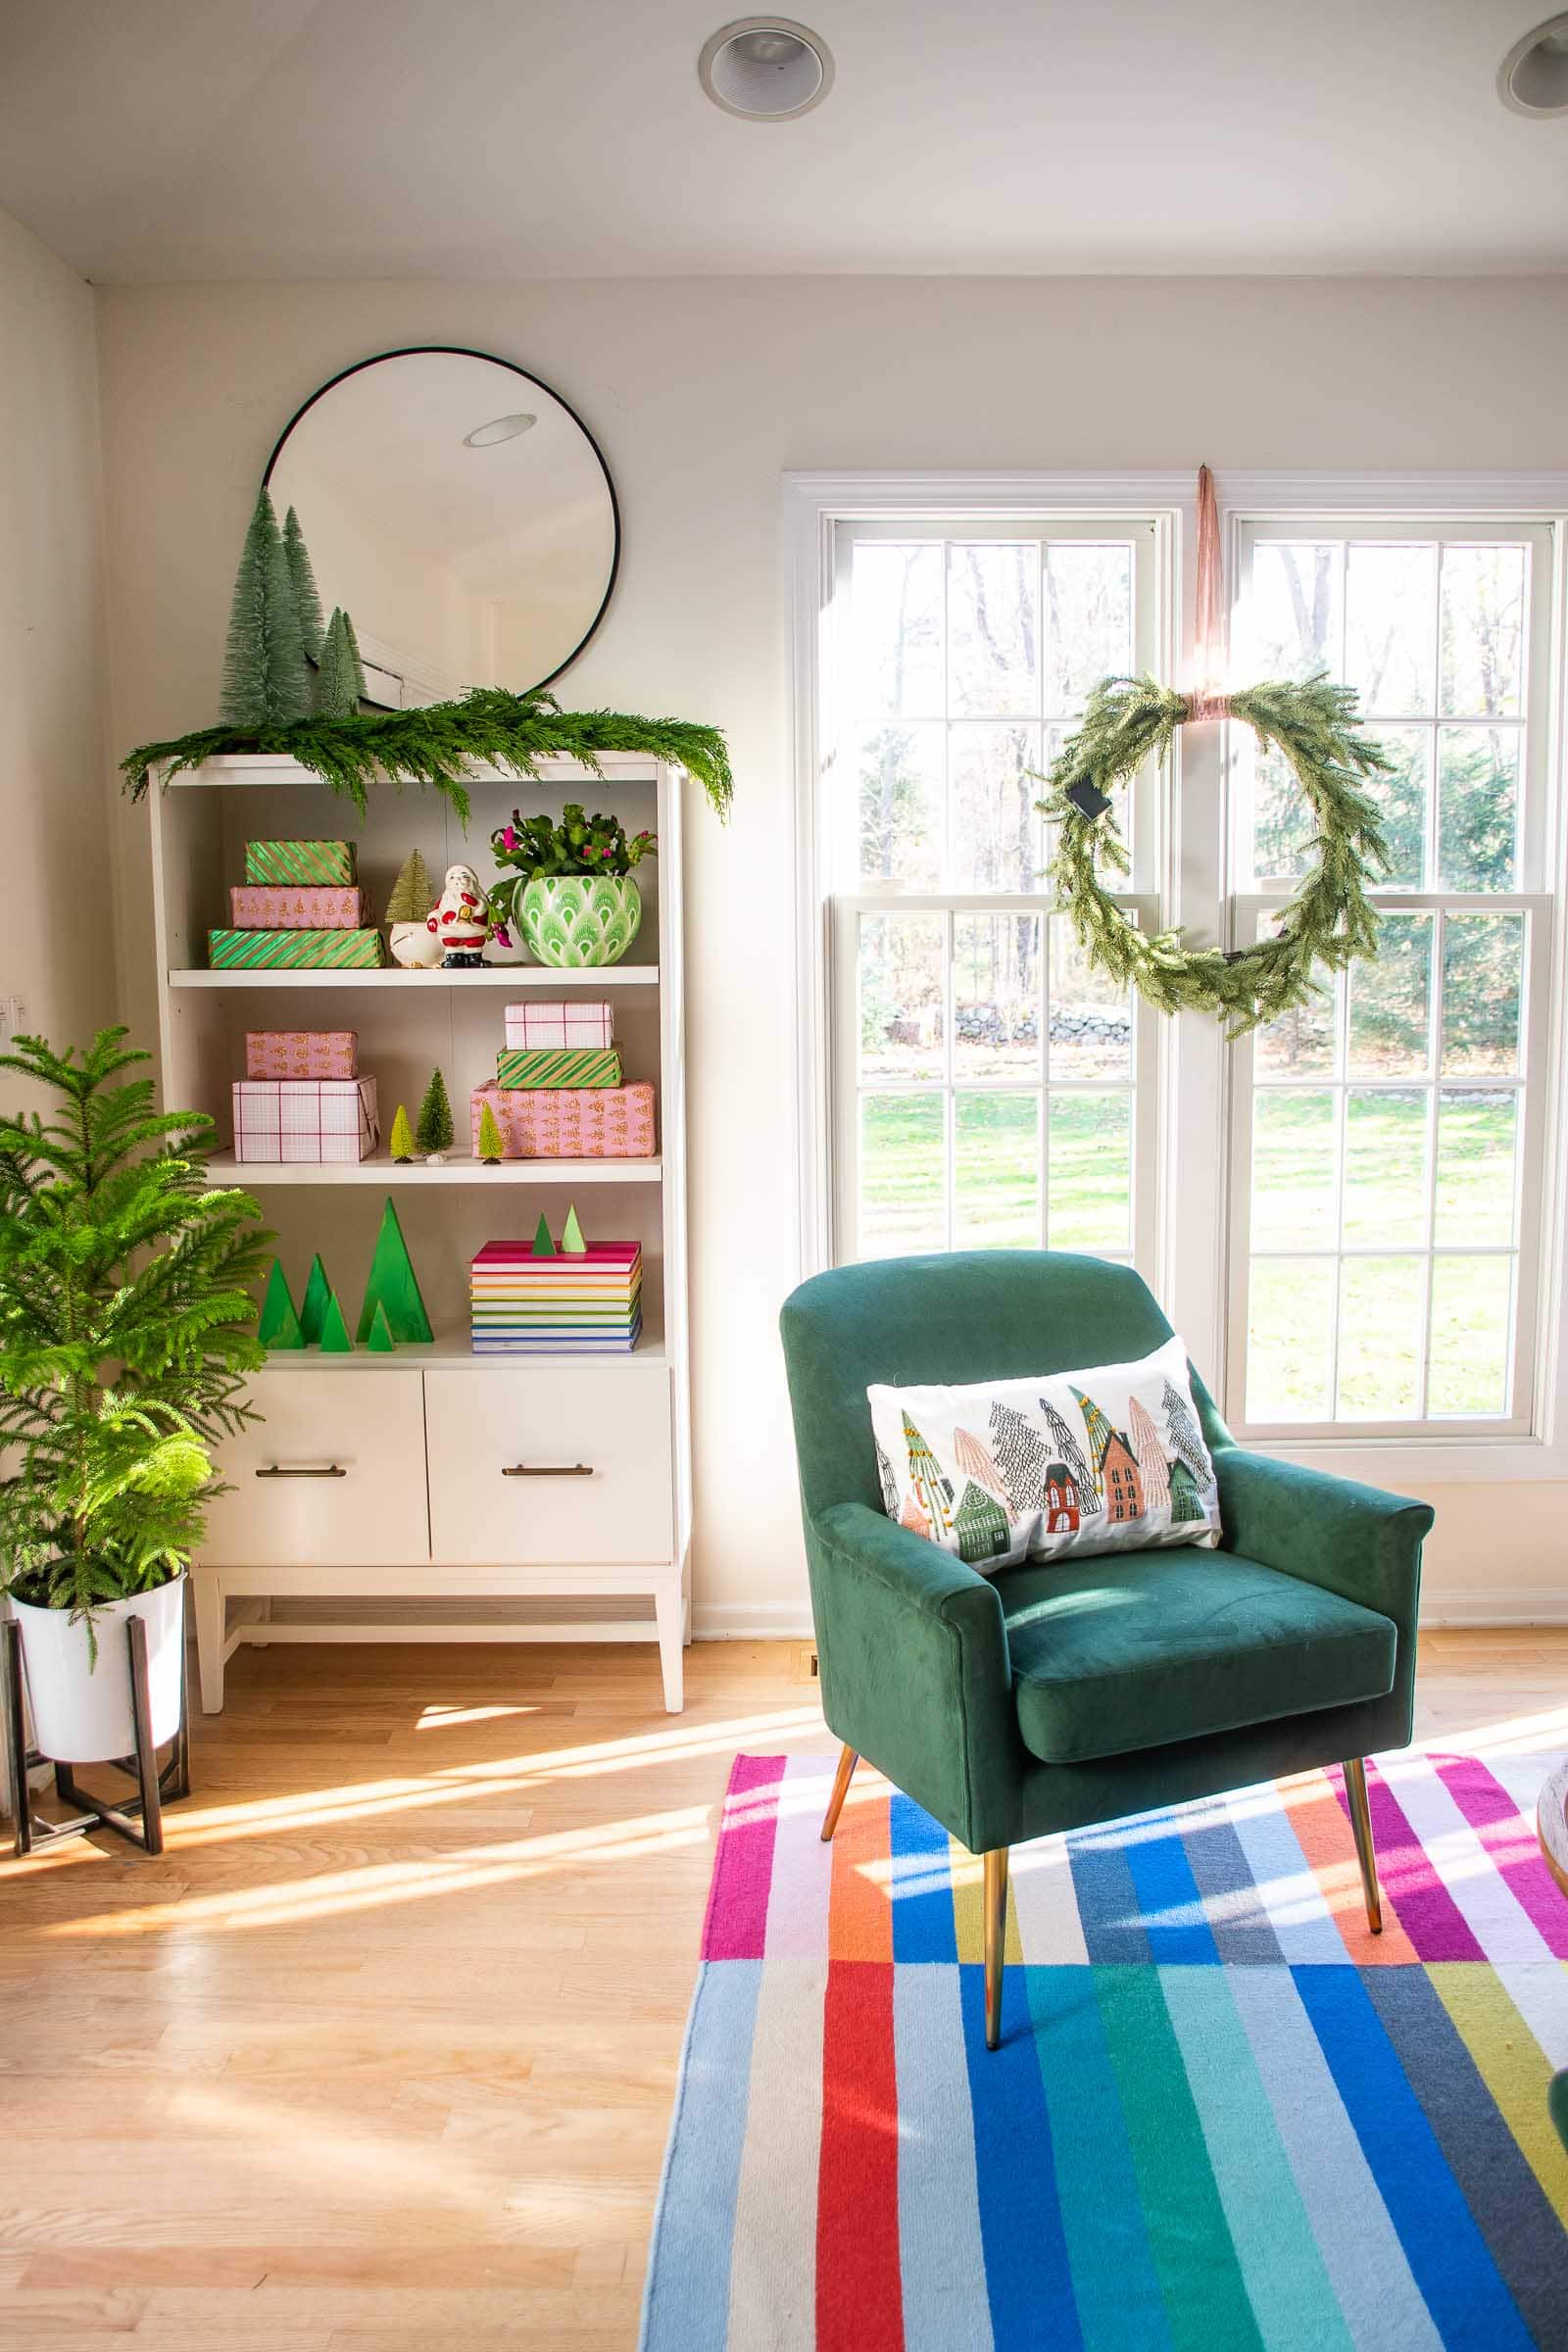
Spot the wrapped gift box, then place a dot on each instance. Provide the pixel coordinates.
(568, 1122)
(545, 1066)
(302, 1119)
(558, 1027)
(302, 1053)
(292, 951)
(307, 861)
(290, 906)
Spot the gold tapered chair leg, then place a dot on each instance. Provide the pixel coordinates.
(1366, 1851)
(996, 1915)
(847, 1760)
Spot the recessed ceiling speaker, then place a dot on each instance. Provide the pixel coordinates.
(1533, 79)
(765, 68)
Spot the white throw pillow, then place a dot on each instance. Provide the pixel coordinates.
(1107, 1459)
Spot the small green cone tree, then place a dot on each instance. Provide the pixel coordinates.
(435, 1131)
(543, 1246)
(335, 1339)
(267, 680)
(574, 1244)
(307, 596)
(492, 1151)
(411, 895)
(339, 679)
(380, 1340)
(401, 1145)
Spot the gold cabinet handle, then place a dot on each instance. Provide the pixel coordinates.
(302, 1470)
(546, 1470)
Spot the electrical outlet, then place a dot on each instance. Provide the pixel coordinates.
(13, 1019)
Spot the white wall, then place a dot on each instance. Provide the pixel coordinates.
(58, 946)
(702, 393)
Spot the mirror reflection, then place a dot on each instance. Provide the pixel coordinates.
(460, 512)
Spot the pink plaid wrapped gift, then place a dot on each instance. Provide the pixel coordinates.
(302, 1053)
(301, 1119)
(568, 1122)
(296, 907)
(538, 1027)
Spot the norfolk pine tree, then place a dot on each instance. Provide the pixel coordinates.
(127, 1327)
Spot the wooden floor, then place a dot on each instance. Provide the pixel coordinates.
(379, 2056)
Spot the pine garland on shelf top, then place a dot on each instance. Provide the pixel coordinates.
(1329, 920)
(439, 745)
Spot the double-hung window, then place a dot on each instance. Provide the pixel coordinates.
(989, 1089)
(1388, 1139)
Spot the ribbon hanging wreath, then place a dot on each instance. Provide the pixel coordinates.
(1329, 920)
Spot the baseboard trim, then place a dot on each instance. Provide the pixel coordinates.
(751, 1621)
(1504, 1605)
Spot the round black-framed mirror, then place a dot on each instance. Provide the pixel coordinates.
(460, 511)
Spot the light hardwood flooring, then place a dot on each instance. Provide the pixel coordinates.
(378, 2057)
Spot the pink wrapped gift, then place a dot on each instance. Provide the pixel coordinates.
(567, 1123)
(296, 907)
(540, 1028)
(303, 1119)
(302, 1053)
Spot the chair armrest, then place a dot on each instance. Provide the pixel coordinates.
(912, 1655)
(1355, 1541)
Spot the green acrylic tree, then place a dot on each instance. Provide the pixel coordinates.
(307, 596)
(313, 1306)
(411, 895)
(266, 679)
(339, 676)
(573, 1243)
(402, 1144)
(434, 1132)
(393, 1286)
(380, 1340)
(279, 1326)
(335, 1339)
(543, 1246)
(492, 1151)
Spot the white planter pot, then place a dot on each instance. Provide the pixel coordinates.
(82, 1710)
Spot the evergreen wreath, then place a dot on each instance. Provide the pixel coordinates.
(439, 743)
(1328, 921)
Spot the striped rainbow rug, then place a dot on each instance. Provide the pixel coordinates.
(1223, 2114)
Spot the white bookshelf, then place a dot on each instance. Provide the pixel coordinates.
(375, 1482)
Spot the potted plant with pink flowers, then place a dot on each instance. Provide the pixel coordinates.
(572, 892)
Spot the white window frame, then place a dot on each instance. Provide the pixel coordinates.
(1196, 883)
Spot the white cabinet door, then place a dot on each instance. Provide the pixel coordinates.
(549, 1465)
(333, 1475)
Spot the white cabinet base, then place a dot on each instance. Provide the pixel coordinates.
(255, 1623)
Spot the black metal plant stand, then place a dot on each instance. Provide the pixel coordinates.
(141, 1819)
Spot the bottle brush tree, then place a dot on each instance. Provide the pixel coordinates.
(411, 895)
(402, 1141)
(307, 596)
(127, 1325)
(267, 680)
(434, 1132)
(339, 676)
(492, 1151)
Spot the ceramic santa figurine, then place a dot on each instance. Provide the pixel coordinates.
(461, 920)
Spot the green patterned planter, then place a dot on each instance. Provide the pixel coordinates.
(572, 920)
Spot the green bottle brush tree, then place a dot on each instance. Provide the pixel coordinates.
(127, 1327)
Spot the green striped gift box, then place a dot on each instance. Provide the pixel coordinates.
(300, 862)
(292, 951)
(553, 1065)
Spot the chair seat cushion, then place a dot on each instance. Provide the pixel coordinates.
(1109, 1655)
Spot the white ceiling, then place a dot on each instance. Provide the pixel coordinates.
(152, 140)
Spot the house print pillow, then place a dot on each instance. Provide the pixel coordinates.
(1110, 1459)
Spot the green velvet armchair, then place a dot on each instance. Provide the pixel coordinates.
(1054, 1696)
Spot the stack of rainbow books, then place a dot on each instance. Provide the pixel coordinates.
(535, 1299)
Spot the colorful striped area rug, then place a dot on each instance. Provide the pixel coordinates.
(1223, 2114)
